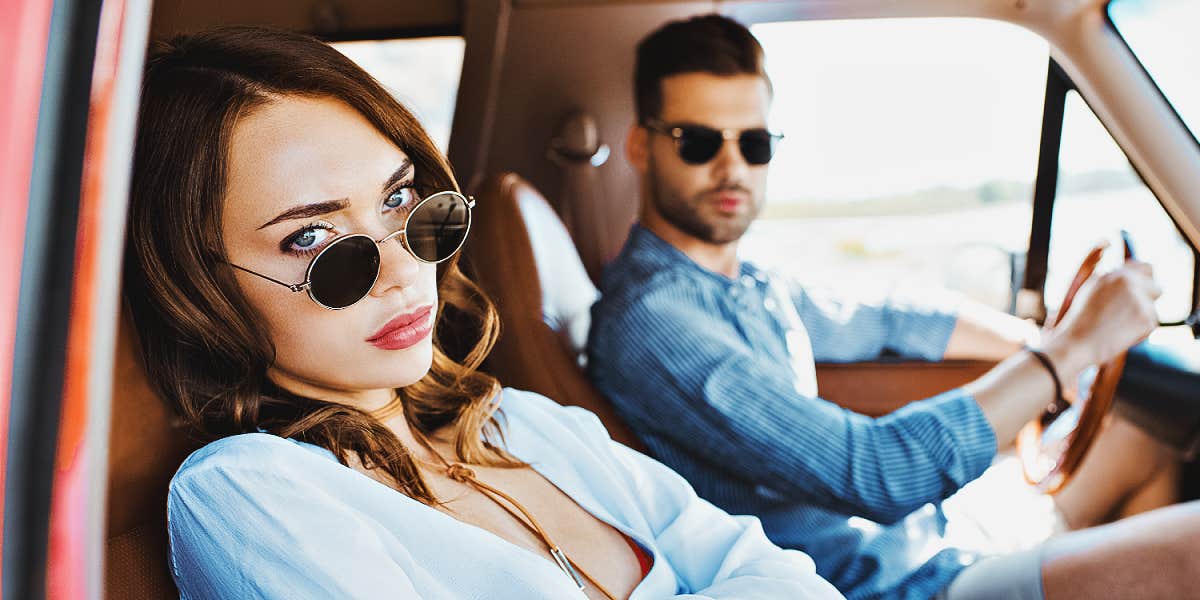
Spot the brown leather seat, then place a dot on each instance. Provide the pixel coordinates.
(145, 449)
(530, 354)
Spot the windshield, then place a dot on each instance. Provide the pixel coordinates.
(1162, 34)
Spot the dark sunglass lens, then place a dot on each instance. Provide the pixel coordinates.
(345, 271)
(438, 227)
(757, 146)
(698, 145)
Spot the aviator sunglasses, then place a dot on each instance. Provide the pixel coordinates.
(697, 144)
(345, 270)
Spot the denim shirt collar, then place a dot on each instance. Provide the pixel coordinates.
(647, 247)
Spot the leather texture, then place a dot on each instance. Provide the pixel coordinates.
(146, 446)
(880, 387)
(500, 257)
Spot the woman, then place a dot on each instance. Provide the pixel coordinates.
(292, 241)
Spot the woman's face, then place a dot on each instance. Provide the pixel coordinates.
(303, 171)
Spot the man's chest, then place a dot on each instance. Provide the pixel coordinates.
(764, 316)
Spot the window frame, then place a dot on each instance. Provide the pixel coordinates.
(1058, 86)
(1108, 22)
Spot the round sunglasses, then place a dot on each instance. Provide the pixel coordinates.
(697, 144)
(345, 270)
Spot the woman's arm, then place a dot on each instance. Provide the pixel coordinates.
(715, 555)
(242, 532)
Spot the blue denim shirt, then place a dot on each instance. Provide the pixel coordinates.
(699, 366)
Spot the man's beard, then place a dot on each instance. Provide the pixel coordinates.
(685, 213)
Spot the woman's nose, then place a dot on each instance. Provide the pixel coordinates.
(398, 268)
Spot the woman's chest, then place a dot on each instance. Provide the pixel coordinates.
(525, 512)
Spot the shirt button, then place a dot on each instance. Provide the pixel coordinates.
(769, 304)
(748, 280)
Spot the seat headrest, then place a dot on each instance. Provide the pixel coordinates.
(522, 257)
(567, 292)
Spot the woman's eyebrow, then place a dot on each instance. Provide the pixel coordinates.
(328, 206)
(309, 210)
(406, 167)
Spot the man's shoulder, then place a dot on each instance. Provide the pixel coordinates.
(633, 284)
(643, 260)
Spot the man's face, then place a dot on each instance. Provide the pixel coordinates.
(715, 201)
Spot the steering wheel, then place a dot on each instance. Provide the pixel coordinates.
(1053, 446)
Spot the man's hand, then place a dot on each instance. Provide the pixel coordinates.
(1112, 313)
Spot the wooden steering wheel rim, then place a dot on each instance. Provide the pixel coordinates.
(1049, 465)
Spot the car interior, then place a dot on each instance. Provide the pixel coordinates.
(541, 96)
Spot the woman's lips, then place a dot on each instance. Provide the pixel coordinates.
(405, 330)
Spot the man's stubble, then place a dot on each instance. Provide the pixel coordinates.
(686, 213)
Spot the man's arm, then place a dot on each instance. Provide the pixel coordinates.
(983, 333)
(677, 373)
(844, 331)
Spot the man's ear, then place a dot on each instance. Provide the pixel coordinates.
(637, 148)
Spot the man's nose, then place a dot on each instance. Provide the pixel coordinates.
(729, 164)
(397, 266)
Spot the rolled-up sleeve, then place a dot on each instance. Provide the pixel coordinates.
(845, 331)
(677, 372)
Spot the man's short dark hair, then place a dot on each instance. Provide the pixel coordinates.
(705, 44)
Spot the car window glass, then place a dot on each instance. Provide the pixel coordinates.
(910, 154)
(1098, 195)
(423, 73)
(1162, 34)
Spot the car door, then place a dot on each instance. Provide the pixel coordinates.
(73, 78)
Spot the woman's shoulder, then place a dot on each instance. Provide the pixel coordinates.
(533, 411)
(249, 456)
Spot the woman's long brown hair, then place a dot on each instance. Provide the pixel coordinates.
(201, 343)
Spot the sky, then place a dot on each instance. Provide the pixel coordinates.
(1164, 35)
(882, 107)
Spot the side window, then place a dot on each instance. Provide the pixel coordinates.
(910, 153)
(1099, 194)
(423, 73)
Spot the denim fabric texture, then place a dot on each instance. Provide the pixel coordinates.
(699, 365)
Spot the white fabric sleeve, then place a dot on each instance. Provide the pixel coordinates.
(240, 531)
(717, 556)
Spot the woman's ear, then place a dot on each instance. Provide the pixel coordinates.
(637, 148)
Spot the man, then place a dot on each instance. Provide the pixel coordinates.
(710, 360)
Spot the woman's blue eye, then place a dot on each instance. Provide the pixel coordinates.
(399, 198)
(308, 239)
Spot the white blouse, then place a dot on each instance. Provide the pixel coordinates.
(259, 516)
